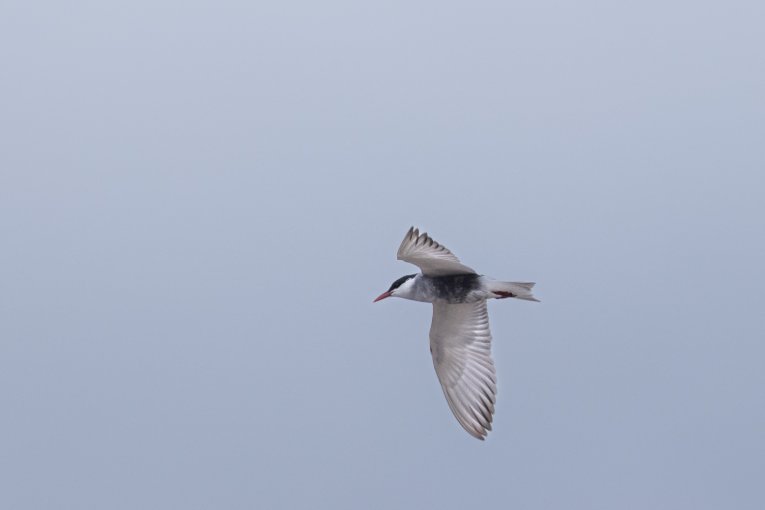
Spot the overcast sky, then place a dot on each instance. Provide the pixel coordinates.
(199, 201)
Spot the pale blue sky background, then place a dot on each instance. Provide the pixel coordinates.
(199, 200)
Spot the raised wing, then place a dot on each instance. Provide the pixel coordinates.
(460, 342)
(432, 258)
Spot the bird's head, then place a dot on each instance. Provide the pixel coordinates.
(400, 288)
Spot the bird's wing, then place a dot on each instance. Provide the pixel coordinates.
(460, 342)
(432, 258)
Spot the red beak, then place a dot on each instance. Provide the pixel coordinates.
(385, 294)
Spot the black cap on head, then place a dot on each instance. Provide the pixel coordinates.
(401, 280)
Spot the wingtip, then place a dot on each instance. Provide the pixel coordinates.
(480, 435)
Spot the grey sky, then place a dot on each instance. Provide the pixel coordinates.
(199, 201)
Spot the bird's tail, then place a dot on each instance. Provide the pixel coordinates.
(518, 290)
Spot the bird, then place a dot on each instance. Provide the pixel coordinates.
(460, 339)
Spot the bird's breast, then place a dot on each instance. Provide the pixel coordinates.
(458, 288)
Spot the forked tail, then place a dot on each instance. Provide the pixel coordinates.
(518, 290)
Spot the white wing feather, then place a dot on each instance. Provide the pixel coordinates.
(432, 258)
(460, 342)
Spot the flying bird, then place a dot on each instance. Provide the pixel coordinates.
(460, 340)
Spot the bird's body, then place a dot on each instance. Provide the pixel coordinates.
(450, 289)
(460, 340)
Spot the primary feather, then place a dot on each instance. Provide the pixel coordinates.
(432, 258)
